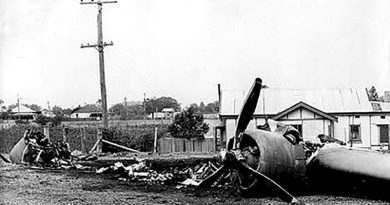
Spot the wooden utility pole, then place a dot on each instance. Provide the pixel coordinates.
(145, 107)
(100, 47)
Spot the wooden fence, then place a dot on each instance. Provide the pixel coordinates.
(171, 145)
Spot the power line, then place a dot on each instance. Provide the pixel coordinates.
(100, 47)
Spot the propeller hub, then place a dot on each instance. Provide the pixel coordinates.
(232, 157)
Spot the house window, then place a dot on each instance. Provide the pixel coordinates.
(357, 116)
(383, 117)
(299, 128)
(354, 133)
(383, 133)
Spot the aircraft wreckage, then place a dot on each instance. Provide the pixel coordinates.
(259, 161)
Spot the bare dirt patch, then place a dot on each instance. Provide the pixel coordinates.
(26, 185)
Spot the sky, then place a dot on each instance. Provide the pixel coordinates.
(184, 48)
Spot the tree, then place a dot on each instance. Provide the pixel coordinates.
(67, 111)
(42, 120)
(188, 124)
(129, 112)
(161, 103)
(135, 112)
(202, 107)
(212, 107)
(117, 109)
(372, 94)
(11, 107)
(57, 111)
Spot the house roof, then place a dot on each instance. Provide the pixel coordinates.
(380, 106)
(306, 106)
(88, 109)
(273, 100)
(23, 109)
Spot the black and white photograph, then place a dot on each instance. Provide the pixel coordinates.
(194, 102)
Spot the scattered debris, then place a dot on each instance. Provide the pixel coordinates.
(140, 172)
(310, 148)
(327, 139)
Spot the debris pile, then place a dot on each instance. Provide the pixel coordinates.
(35, 149)
(142, 173)
(311, 147)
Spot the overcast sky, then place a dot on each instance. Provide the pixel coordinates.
(183, 48)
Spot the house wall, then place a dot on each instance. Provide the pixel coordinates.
(342, 130)
(369, 129)
(312, 124)
(311, 128)
(375, 121)
(231, 127)
(80, 115)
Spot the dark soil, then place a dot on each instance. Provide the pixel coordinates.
(26, 185)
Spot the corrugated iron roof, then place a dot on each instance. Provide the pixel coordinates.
(380, 106)
(22, 109)
(273, 100)
(88, 109)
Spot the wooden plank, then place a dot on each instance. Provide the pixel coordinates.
(120, 146)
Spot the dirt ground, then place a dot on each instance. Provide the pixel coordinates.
(26, 185)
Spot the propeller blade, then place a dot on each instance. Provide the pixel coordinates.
(283, 194)
(210, 179)
(248, 107)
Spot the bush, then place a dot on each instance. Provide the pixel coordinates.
(189, 124)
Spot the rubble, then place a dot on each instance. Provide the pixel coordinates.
(140, 172)
(36, 150)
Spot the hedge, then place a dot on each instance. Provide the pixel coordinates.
(139, 137)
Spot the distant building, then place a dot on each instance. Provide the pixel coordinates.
(87, 111)
(24, 113)
(386, 97)
(168, 112)
(345, 114)
(47, 113)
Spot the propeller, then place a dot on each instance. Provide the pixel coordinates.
(233, 159)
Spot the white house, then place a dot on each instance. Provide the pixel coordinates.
(87, 111)
(23, 112)
(343, 113)
(47, 113)
(168, 112)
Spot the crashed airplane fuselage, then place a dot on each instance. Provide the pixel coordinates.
(259, 161)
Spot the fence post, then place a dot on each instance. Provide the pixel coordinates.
(65, 134)
(155, 140)
(83, 147)
(46, 131)
(99, 140)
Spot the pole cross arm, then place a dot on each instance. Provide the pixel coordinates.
(98, 2)
(104, 44)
